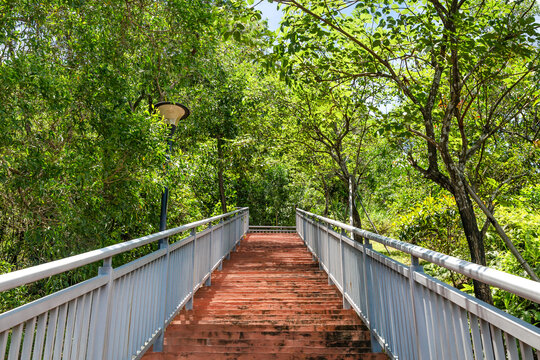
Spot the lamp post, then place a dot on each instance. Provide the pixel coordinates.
(172, 113)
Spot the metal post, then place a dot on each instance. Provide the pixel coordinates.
(165, 193)
(419, 316)
(101, 344)
(351, 199)
(164, 244)
(209, 280)
(303, 226)
(163, 215)
(346, 304)
(246, 226)
(189, 305)
(317, 230)
(227, 240)
(158, 344)
(222, 227)
(368, 291)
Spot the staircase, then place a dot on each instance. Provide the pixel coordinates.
(270, 301)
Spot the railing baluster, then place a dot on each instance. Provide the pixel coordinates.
(158, 344)
(40, 337)
(328, 259)
(28, 338)
(526, 351)
(368, 291)
(104, 313)
(418, 311)
(66, 352)
(342, 265)
(59, 339)
(49, 339)
(220, 243)
(85, 326)
(511, 347)
(78, 325)
(15, 344)
(210, 264)
(189, 305)
(3, 344)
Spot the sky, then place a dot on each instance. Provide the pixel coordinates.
(270, 12)
(273, 15)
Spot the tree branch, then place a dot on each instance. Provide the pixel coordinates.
(501, 233)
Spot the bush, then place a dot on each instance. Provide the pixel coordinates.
(523, 228)
(435, 224)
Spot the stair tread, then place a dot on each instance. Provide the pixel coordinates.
(269, 301)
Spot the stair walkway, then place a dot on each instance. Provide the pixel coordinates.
(270, 301)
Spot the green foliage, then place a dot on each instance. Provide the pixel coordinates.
(524, 229)
(82, 155)
(272, 193)
(433, 223)
(459, 92)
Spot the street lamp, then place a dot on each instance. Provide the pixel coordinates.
(171, 113)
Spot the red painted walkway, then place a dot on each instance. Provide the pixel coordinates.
(270, 301)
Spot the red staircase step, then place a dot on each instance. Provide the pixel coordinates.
(270, 301)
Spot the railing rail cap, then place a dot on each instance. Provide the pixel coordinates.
(25, 276)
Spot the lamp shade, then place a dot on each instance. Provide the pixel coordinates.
(172, 112)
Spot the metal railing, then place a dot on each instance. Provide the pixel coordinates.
(412, 315)
(122, 311)
(271, 229)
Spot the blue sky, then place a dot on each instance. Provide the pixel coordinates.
(273, 15)
(270, 12)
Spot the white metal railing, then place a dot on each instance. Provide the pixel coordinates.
(122, 311)
(412, 315)
(271, 229)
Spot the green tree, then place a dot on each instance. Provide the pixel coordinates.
(460, 71)
(81, 157)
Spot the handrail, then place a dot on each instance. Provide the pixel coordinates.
(122, 311)
(272, 227)
(410, 314)
(525, 288)
(21, 277)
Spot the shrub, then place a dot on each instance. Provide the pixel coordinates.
(434, 223)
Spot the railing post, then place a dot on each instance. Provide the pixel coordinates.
(317, 241)
(158, 344)
(208, 281)
(189, 305)
(246, 226)
(236, 231)
(420, 329)
(103, 321)
(368, 291)
(298, 224)
(227, 239)
(346, 304)
(327, 229)
(306, 228)
(221, 226)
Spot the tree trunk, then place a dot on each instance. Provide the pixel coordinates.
(356, 217)
(474, 239)
(356, 222)
(220, 174)
(326, 198)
